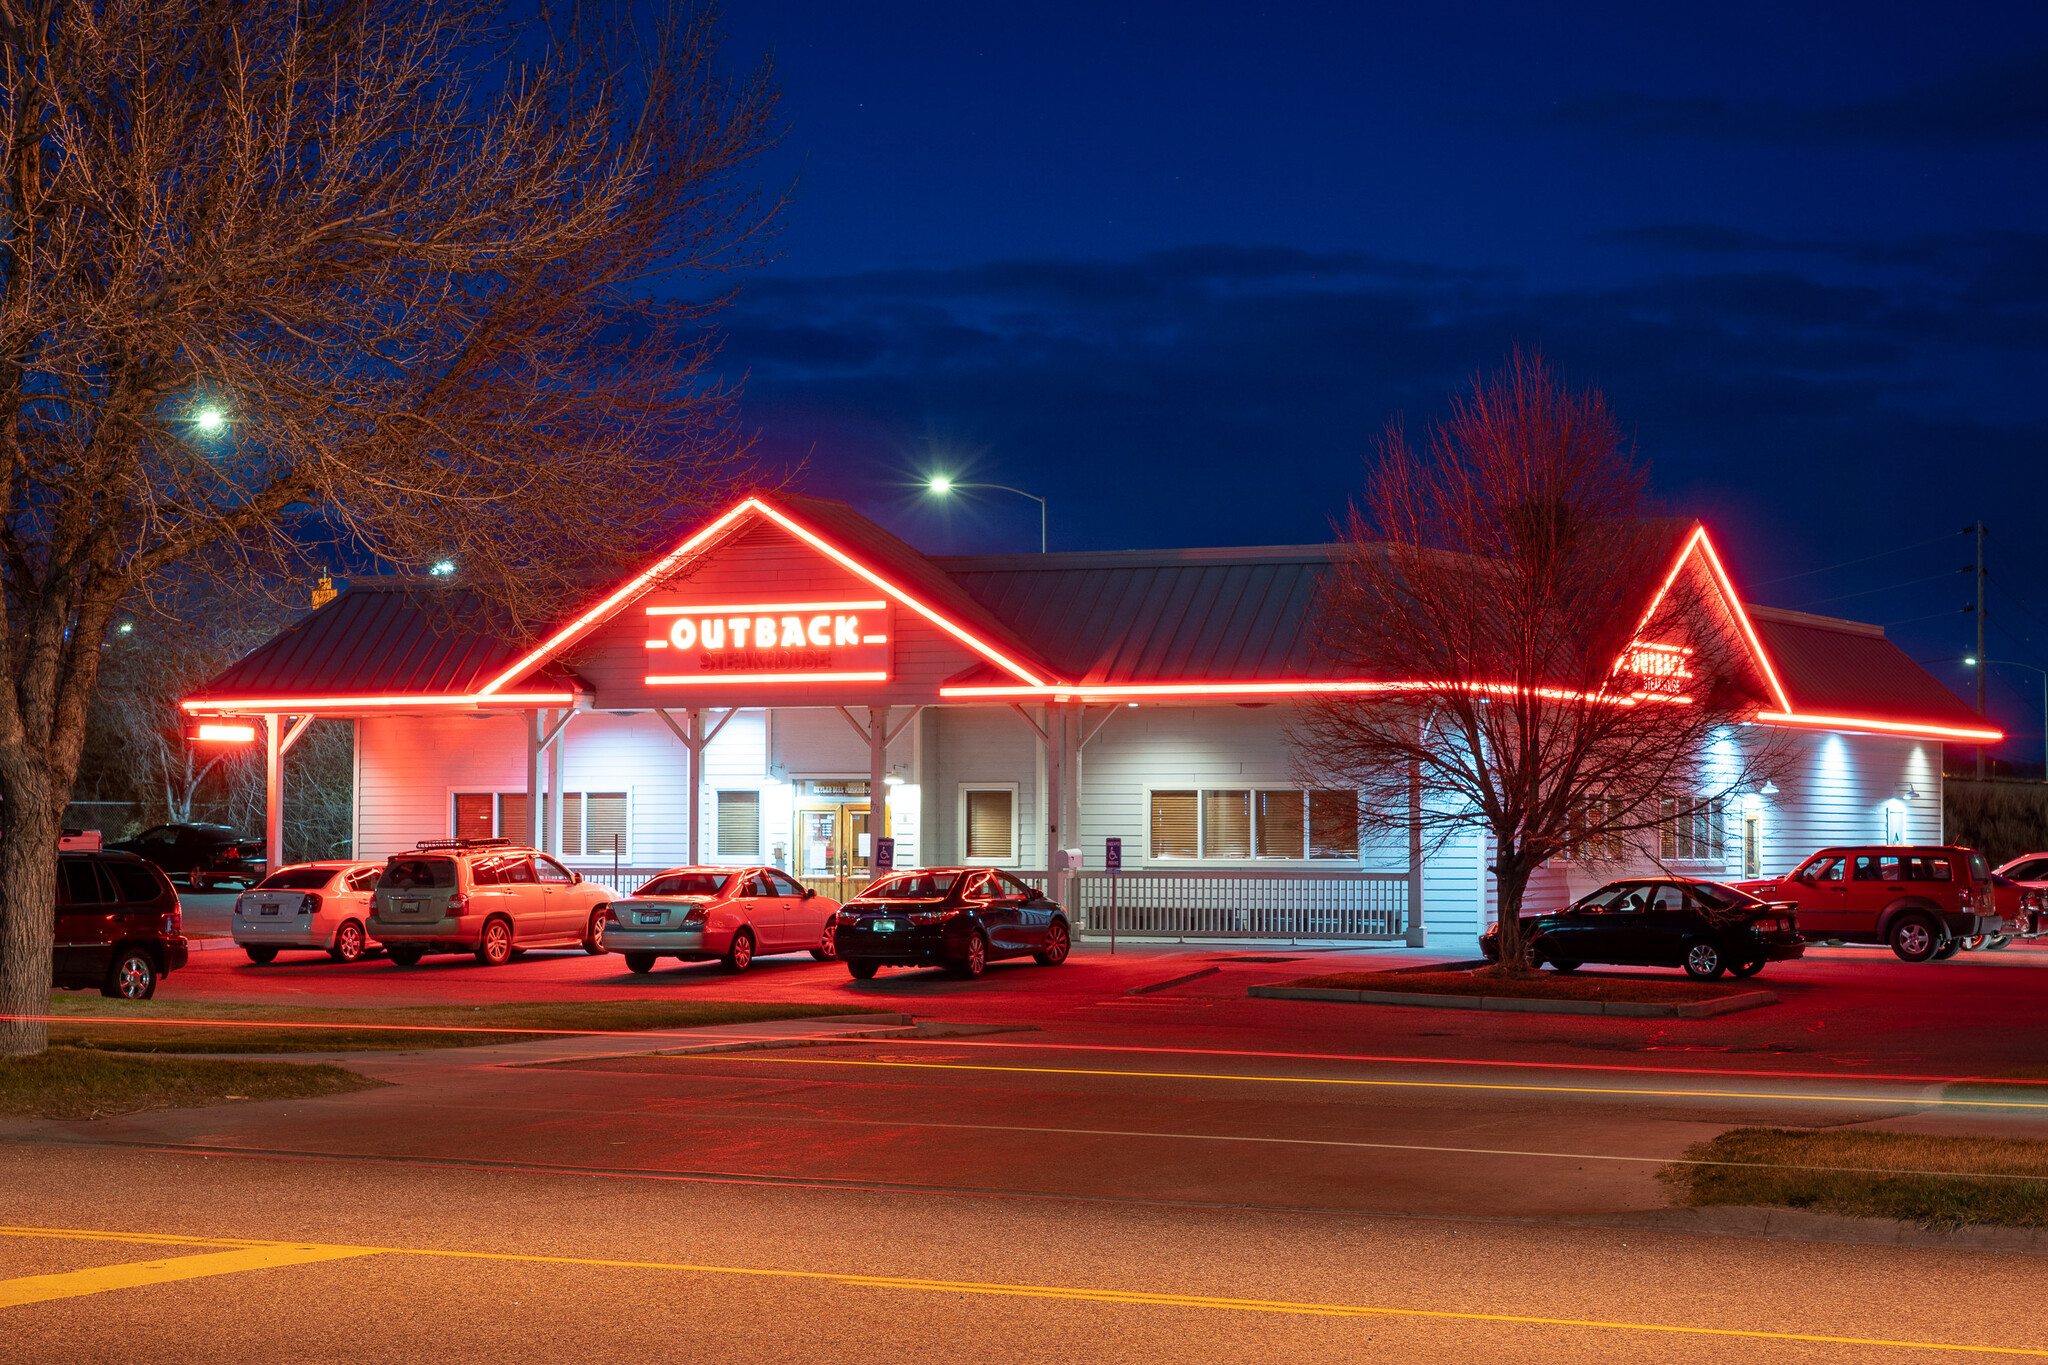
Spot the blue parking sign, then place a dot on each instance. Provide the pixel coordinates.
(1113, 855)
(885, 855)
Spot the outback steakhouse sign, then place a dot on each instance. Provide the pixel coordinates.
(768, 642)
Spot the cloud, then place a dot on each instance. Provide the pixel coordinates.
(2004, 101)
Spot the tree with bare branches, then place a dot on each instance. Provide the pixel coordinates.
(380, 275)
(1503, 585)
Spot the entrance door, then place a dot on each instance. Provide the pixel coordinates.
(832, 842)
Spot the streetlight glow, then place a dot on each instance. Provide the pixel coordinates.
(211, 419)
(443, 569)
(941, 484)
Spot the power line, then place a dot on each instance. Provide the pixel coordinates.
(1882, 554)
(1887, 625)
(1890, 587)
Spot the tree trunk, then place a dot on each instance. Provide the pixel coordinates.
(28, 910)
(1511, 882)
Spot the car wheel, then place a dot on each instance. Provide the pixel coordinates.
(261, 955)
(863, 971)
(1948, 950)
(740, 955)
(348, 942)
(1560, 965)
(130, 976)
(494, 949)
(1973, 942)
(828, 946)
(1997, 941)
(1057, 946)
(1913, 938)
(1703, 962)
(1748, 969)
(404, 957)
(640, 962)
(974, 962)
(198, 883)
(593, 937)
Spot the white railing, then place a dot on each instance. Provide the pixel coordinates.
(625, 880)
(1247, 904)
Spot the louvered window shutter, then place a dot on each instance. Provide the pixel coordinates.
(989, 826)
(739, 824)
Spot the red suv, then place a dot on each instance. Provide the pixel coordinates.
(1921, 900)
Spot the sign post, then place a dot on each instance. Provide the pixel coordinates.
(1112, 863)
(885, 856)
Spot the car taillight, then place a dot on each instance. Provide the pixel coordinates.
(932, 916)
(458, 905)
(174, 923)
(847, 917)
(1963, 897)
(611, 914)
(231, 851)
(309, 903)
(695, 915)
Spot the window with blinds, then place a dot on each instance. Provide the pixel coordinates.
(1333, 824)
(739, 824)
(1226, 824)
(1282, 825)
(474, 817)
(1693, 828)
(604, 825)
(512, 817)
(991, 826)
(590, 820)
(1175, 833)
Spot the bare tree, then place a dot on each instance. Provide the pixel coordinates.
(1502, 591)
(369, 272)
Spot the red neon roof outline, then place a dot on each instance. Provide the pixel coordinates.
(668, 562)
(292, 705)
(1699, 540)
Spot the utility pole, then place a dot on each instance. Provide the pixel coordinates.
(1978, 529)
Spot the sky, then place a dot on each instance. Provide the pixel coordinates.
(1175, 267)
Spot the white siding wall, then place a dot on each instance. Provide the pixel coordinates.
(983, 745)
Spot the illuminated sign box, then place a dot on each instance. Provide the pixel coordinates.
(835, 641)
(220, 732)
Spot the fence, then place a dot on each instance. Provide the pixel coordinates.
(1262, 904)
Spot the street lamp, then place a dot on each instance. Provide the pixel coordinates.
(942, 485)
(1970, 661)
(210, 419)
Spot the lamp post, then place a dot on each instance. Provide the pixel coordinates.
(942, 485)
(1971, 660)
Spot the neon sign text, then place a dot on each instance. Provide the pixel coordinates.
(770, 641)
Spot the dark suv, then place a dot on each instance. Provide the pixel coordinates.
(118, 925)
(1922, 900)
(204, 855)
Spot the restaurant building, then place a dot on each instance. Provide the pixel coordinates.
(791, 681)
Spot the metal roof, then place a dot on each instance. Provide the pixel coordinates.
(1847, 668)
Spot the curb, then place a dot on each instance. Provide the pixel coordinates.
(1636, 1009)
(1802, 1225)
(1176, 981)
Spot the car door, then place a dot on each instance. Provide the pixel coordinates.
(803, 920)
(769, 914)
(525, 900)
(87, 918)
(1821, 889)
(1669, 921)
(563, 907)
(1616, 933)
(1034, 912)
(1001, 918)
(1875, 881)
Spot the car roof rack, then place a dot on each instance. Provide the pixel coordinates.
(425, 845)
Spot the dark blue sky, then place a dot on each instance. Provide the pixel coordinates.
(1174, 266)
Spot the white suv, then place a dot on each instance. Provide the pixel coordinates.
(483, 896)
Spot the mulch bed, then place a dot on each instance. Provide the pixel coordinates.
(1538, 986)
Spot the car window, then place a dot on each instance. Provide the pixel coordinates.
(364, 879)
(161, 837)
(134, 881)
(296, 879)
(1866, 868)
(1822, 870)
(979, 886)
(517, 872)
(552, 872)
(1715, 896)
(685, 884)
(1666, 898)
(1012, 887)
(913, 886)
(2029, 870)
(83, 884)
(1628, 899)
(1928, 870)
(406, 874)
(1980, 870)
(788, 886)
(759, 885)
(1891, 868)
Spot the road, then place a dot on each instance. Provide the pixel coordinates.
(1183, 1174)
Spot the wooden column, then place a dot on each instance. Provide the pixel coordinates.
(878, 780)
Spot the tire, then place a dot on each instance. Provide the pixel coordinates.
(640, 962)
(828, 946)
(863, 971)
(132, 975)
(261, 955)
(1748, 969)
(494, 949)
(1996, 942)
(1914, 938)
(971, 966)
(1973, 942)
(198, 883)
(740, 955)
(1560, 965)
(349, 942)
(1948, 950)
(1703, 961)
(1057, 945)
(404, 957)
(593, 937)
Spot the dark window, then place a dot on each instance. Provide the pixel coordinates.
(2031, 870)
(1633, 896)
(1012, 887)
(981, 887)
(1980, 871)
(1666, 897)
(365, 880)
(913, 886)
(1714, 896)
(83, 884)
(1866, 868)
(1823, 870)
(759, 885)
(517, 872)
(297, 879)
(785, 885)
(1333, 824)
(684, 884)
(135, 882)
(1890, 868)
(407, 874)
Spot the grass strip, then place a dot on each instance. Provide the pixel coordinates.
(94, 1022)
(1937, 1182)
(1536, 986)
(80, 1083)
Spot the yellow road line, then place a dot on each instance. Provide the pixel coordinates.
(758, 1060)
(284, 1253)
(99, 1279)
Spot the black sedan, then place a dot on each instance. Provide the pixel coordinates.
(959, 918)
(1705, 927)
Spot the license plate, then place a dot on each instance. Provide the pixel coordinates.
(269, 909)
(408, 907)
(649, 919)
(885, 926)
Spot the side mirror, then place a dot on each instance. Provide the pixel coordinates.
(576, 878)
(810, 893)
(1804, 879)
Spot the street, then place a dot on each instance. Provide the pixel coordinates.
(1078, 1173)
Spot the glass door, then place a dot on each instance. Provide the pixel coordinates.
(834, 849)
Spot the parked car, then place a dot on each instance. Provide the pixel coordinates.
(204, 855)
(1705, 927)
(696, 914)
(959, 918)
(321, 906)
(489, 897)
(2025, 907)
(1923, 900)
(119, 926)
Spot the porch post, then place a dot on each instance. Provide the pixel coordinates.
(878, 785)
(532, 831)
(1055, 788)
(273, 793)
(1418, 934)
(695, 744)
(553, 833)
